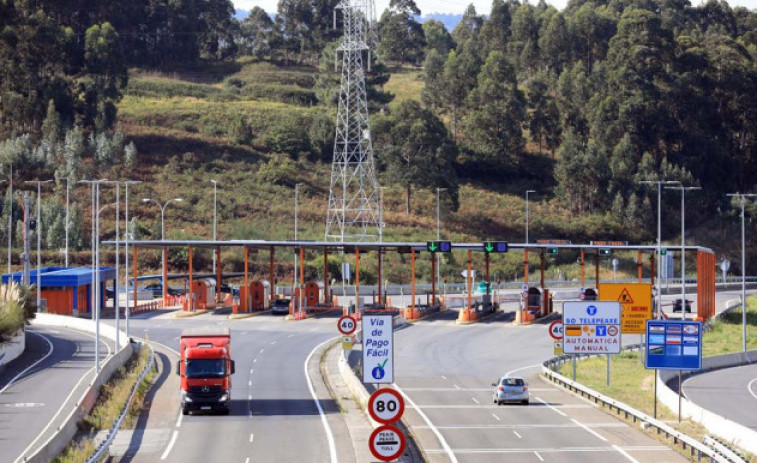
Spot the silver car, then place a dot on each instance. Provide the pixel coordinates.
(510, 389)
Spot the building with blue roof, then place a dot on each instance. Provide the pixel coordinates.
(67, 290)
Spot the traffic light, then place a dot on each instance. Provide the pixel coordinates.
(32, 224)
(495, 246)
(439, 246)
(605, 252)
(663, 252)
(551, 250)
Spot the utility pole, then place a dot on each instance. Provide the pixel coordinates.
(39, 240)
(742, 197)
(683, 191)
(27, 250)
(126, 229)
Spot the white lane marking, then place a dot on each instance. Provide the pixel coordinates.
(249, 383)
(625, 454)
(523, 426)
(249, 397)
(49, 352)
(255, 361)
(290, 336)
(538, 365)
(445, 446)
(444, 377)
(496, 417)
(262, 350)
(247, 460)
(749, 388)
(474, 399)
(252, 436)
(274, 342)
(538, 456)
(178, 420)
(457, 387)
(516, 433)
(329, 435)
(550, 450)
(492, 405)
(170, 445)
(469, 389)
(550, 406)
(589, 429)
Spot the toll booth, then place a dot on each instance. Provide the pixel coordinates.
(588, 294)
(313, 293)
(204, 293)
(255, 297)
(533, 301)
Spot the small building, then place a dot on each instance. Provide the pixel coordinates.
(68, 290)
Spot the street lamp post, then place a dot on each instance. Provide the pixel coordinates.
(659, 184)
(163, 238)
(10, 221)
(67, 207)
(126, 245)
(742, 197)
(683, 191)
(215, 216)
(116, 285)
(39, 241)
(438, 257)
(527, 192)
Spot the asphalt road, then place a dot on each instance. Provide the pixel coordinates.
(273, 414)
(35, 386)
(730, 393)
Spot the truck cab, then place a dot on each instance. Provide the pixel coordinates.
(205, 368)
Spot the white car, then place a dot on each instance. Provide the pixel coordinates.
(510, 389)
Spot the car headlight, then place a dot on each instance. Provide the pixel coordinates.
(185, 397)
(224, 397)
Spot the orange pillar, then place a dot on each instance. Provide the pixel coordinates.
(357, 280)
(190, 303)
(165, 275)
(543, 268)
(638, 265)
(433, 278)
(136, 270)
(525, 266)
(270, 270)
(218, 274)
(412, 283)
(583, 270)
(596, 269)
(470, 297)
(302, 277)
(246, 304)
(326, 298)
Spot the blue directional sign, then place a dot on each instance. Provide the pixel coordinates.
(674, 345)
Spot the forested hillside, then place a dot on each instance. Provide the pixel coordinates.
(579, 105)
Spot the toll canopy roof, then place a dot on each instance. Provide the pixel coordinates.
(63, 276)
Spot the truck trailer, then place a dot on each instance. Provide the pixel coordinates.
(205, 369)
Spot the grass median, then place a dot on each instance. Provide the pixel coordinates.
(108, 407)
(632, 384)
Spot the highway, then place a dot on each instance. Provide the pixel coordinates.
(35, 386)
(730, 393)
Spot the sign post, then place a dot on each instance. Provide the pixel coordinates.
(378, 349)
(591, 327)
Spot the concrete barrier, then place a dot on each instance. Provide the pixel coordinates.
(76, 411)
(736, 434)
(11, 350)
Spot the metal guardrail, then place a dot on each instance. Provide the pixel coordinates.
(104, 446)
(697, 449)
(727, 453)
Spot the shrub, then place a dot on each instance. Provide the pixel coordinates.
(288, 136)
(239, 131)
(17, 307)
(279, 170)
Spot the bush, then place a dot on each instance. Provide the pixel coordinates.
(279, 170)
(17, 307)
(288, 136)
(239, 131)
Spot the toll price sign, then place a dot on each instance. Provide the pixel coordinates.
(591, 327)
(378, 349)
(346, 325)
(387, 443)
(674, 345)
(386, 406)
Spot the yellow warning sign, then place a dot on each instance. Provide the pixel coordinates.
(636, 300)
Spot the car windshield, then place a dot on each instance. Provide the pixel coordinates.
(281, 302)
(512, 382)
(206, 368)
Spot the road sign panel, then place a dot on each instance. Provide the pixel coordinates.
(386, 406)
(636, 299)
(591, 327)
(558, 348)
(439, 246)
(556, 329)
(348, 342)
(378, 349)
(674, 345)
(346, 325)
(495, 246)
(387, 443)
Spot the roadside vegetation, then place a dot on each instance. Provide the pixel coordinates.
(632, 384)
(17, 309)
(108, 407)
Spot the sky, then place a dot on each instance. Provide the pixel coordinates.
(450, 6)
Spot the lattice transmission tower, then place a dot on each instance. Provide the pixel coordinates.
(353, 213)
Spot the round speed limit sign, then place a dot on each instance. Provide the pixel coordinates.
(556, 329)
(386, 406)
(346, 325)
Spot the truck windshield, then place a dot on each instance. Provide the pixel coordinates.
(206, 368)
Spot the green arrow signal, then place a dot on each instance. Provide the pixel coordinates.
(432, 247)
(489, 247)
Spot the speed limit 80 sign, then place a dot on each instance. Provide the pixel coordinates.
(346, 325)
(386, 406)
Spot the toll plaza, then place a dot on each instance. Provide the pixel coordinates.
(313, 297)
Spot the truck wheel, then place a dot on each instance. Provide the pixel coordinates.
(225, 411)
(184, 411)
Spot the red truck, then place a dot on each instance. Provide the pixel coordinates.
(205, 369)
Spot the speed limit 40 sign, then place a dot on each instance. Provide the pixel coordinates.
(556, 329)
(386, 406)
(346, 325)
